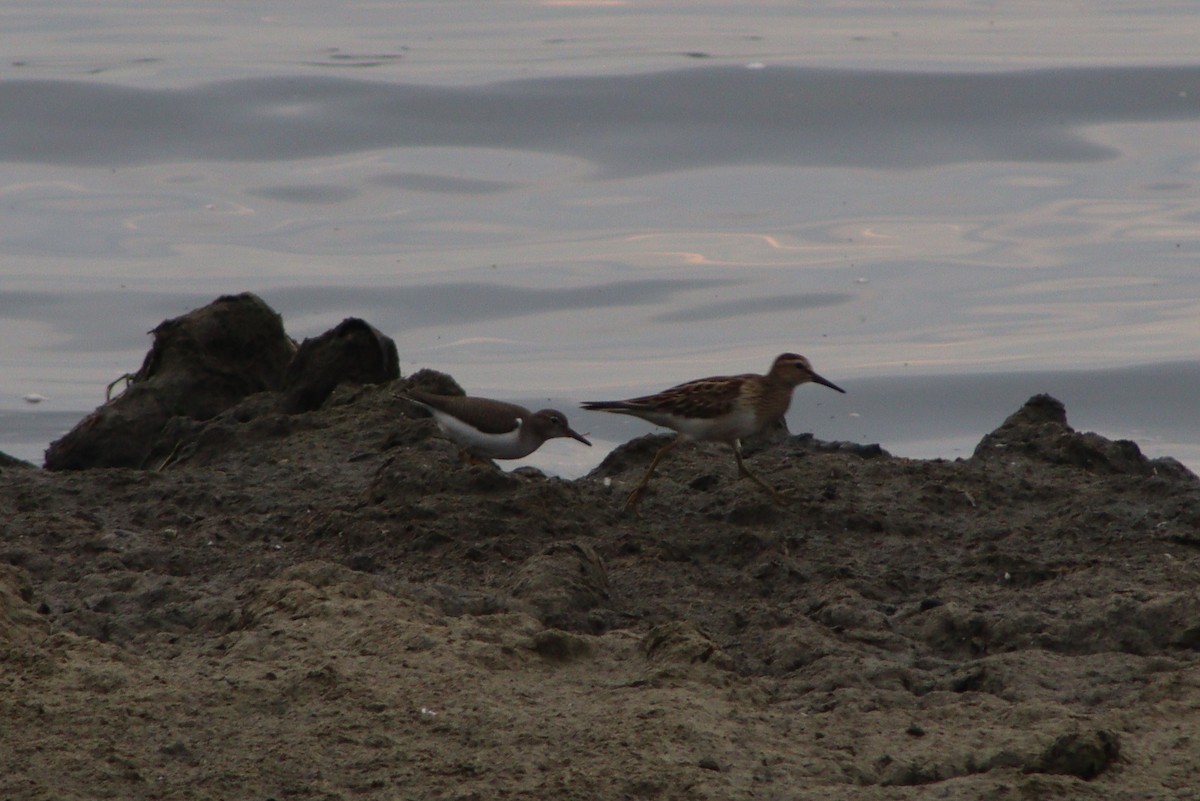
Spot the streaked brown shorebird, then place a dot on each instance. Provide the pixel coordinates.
(719, 409)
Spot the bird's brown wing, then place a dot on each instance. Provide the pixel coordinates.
(702, 398)
(488, 415)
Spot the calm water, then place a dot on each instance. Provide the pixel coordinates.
(947, 209)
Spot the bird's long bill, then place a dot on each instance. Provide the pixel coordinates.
(576, 435)
(826, 382)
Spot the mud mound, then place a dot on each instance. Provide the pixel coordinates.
(210, 361)
(201, 364)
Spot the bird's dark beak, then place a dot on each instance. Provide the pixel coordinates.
(826, 382)
(576, 435)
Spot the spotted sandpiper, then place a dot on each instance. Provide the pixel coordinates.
(719, 409)
(492, 429)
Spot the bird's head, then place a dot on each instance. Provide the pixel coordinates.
(794, 370)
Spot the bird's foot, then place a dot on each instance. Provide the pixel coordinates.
(468, 459)
(633, 499)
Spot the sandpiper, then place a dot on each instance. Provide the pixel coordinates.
(719, 409)
(492, 429)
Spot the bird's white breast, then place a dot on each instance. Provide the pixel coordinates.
(736, 425)
(508, 445)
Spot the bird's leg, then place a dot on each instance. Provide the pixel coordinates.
(744, 471)
(636, 495)
(469, 458)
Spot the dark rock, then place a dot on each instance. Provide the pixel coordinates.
(351, 352)
(199, 365)
(1039, 430)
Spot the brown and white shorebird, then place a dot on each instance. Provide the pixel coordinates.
(719, 409)
(492, 429)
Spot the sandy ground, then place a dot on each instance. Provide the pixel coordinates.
(329, 605)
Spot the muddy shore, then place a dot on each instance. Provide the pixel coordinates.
(325, 603)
